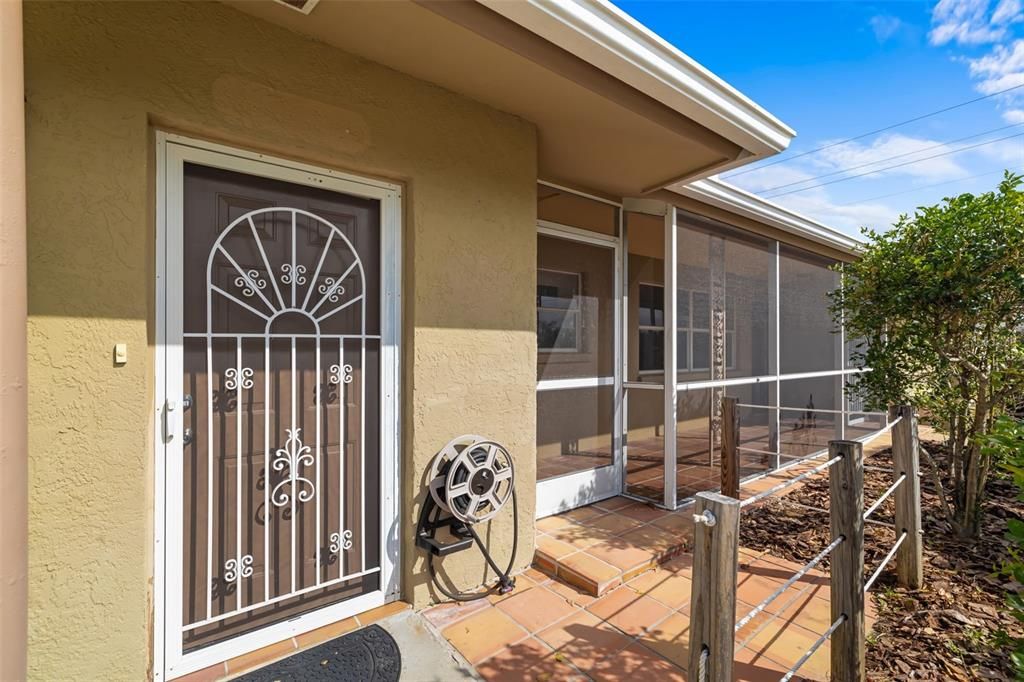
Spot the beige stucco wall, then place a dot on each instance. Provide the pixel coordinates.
(99, 78)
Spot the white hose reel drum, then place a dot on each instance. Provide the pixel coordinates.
(472, 478)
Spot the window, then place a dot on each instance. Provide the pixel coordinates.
(558, 311)
(693, 323)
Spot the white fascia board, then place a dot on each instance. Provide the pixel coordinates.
(730, 198)
(606, 37)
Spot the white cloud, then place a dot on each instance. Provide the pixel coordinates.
(884, 26)
(1000, 69)
(990, 86)
(817, 203)
(1008, 12)
(1009, 153)
(1000, 61)
(767, 177)
(880, 152)
(967, 22)
(848, 219)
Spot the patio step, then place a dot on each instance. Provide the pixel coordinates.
(598, 547)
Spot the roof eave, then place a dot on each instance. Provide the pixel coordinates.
(608, 38)
(730, 198)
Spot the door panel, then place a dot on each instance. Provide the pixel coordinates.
(280, 497)
(577, 303)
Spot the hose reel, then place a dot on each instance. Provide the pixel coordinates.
(472, 478)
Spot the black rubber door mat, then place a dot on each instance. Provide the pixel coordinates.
(367, 655)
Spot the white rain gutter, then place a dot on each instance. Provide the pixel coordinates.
(721, 194)
(606, 37)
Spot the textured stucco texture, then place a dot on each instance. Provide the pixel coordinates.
(100, 79)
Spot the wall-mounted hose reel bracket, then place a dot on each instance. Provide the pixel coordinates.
(471, 479)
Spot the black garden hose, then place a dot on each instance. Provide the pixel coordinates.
(472, 596)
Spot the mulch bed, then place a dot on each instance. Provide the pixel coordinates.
(955, 627)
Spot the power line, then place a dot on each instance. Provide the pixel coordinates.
(890, 158)
(873, 132)
(898, 165)
(923, 187)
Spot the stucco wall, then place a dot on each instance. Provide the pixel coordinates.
(98, 79)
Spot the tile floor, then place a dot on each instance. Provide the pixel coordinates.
(548, 630)
(696, 469)
(598, 547)
(612, 600)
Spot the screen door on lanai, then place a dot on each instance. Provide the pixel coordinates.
(281, 457)
(577, 294)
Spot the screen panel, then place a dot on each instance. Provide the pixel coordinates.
(807, 334)
(575, 309)
(574, 430)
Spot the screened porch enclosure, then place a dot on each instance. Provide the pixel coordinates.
(728, 313)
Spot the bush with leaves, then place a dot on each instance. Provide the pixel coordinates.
(938, 305)
(1005, 444)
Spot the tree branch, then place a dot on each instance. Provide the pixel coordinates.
(962, 361)
(933, 469)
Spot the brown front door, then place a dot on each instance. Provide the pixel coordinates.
(281, 472)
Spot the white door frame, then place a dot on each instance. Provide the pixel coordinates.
(172, 151)
(560, 493)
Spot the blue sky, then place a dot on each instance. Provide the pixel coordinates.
(835, 70)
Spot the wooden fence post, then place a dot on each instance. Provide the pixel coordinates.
(730, 461)
(846, 511)
(713, 588)
(905, 453)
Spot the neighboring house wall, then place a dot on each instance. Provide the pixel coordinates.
(99, 78)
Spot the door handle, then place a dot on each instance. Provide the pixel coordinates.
(171, 420)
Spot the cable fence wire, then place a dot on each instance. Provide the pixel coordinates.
(885, 562)
(786, 585)
(864, 440)
(790, 483)
(814, 647)
(878, 503)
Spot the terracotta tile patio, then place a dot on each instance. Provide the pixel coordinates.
(552, 631)
(609, 596)
(598, 547)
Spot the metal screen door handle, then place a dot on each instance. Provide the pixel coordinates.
(170, 420)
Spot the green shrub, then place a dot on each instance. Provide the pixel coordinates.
(1005, 444)
(937, 303)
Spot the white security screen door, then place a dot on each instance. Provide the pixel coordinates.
(280, 402)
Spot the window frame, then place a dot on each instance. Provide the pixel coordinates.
(730, 334)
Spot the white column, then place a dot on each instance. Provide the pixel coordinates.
(621, 363)
(840, 362)
(775, 358)
(13, 352)
(671, 342)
